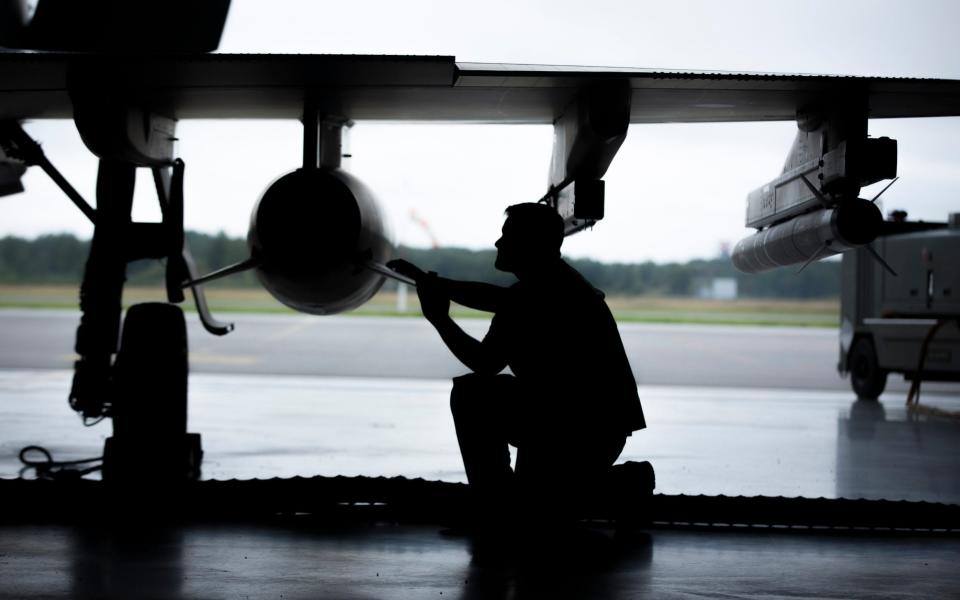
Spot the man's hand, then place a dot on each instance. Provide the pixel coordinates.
(434, 302)
(407, 269)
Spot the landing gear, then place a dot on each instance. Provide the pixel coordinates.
(866, 376)
(142, 384)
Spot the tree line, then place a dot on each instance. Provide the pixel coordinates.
(60, 258)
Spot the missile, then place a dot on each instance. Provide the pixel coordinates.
(811, 236)
(318, 242)
(309, 231)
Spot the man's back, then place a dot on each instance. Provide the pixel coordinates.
(557, 335)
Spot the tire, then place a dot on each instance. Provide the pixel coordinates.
(151, 372)
(150, 441)
(867, 378)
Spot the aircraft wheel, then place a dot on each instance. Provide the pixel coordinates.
(866, 376)
(151, 368)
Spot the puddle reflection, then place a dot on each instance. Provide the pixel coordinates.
(890, 453)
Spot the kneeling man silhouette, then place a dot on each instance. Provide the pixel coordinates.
(571, 401)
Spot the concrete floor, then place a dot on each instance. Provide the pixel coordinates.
(306, 560)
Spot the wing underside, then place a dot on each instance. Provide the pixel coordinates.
(410, 88)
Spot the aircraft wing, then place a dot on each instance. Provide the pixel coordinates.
(415, 88)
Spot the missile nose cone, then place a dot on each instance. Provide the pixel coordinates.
(308, 233)
(858, 221)
(306, 219)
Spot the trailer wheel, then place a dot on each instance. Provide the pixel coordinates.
(866, 377)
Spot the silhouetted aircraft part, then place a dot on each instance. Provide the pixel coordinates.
(416, 88)
(209, 323)
(823, 200)
(832, 110)
(305, 234)
(17, 144)
(791, 212)
(551, 196)
(239, 267)
(119, 127)
(310, 226)
(583, 204)
(113, 25)
(168, 183)
(885, 188)
(12, 168)
(586, 137)
(150, 443)
(814, 235)
(814, 257)
(388, 272)
(886, 266)
(101, 291)
(11, 171)
(322, 136)
(839, 169)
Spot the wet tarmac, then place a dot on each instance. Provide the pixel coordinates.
(701, 440)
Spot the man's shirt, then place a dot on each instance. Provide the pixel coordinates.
(559, 338)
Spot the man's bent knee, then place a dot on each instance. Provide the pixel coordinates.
(466, 390)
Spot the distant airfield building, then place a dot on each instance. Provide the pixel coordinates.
(718, 288)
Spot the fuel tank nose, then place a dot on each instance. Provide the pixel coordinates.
(310, 233)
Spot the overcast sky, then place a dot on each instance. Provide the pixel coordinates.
(674, 192)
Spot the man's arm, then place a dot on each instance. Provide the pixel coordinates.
(479, 357)
(472, 294)
(476, 356)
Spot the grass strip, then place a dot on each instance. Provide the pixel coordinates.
(753, 312)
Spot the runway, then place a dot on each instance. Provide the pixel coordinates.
(353, 346)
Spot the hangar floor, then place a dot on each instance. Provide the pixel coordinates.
(392, 561)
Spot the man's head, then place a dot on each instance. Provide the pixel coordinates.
(532, 235)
